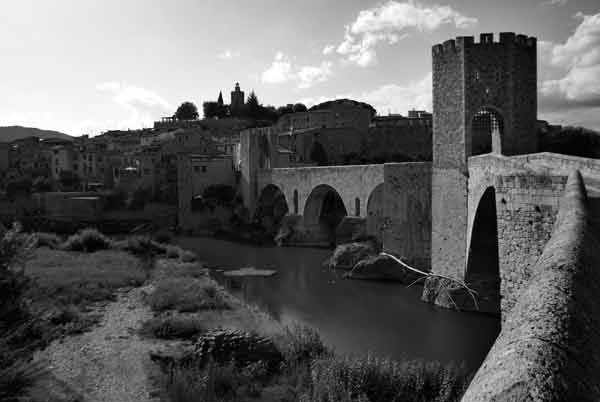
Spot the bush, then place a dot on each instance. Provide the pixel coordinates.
(49, 240)
(88, 240)
(163, 237)
(173, 327)
(187, 256)
(142, 245)
(369, 379)
(303, 344)
(187, 294)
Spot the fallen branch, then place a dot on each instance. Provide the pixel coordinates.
(472, 292)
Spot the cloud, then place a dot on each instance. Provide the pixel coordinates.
(577, 62)
(329, 49)
(143, 105)
(282, 71)
(390, 23)
(311, 75)
(228, 54)
(390, 97)
(279, 72)
(559, 3)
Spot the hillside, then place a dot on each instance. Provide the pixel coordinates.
(11, 133)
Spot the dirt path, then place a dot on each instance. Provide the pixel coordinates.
(111, 362)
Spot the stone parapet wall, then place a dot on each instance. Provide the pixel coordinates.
(549, 346)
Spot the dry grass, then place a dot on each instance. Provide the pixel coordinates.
(187, 294)
(174, 327)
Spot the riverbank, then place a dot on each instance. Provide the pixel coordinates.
(111, 307)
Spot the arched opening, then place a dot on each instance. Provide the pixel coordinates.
(357, 206)
(483, 271)
(486, 132)
(296, 202)
(323, 212)
(375, 213)
(271, 208)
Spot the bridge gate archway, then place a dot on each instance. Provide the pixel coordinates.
(323, 212)
(483, 265)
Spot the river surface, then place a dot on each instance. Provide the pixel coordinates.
(352, 316)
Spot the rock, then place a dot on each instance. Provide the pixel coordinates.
(249, 271)
(381, 267)
(448, 294)
(345, 256)
(241, 347)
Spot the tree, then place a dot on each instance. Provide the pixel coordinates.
(187, 111)
(281, 110)
(299, 107)
(18, 186)
(42, 185)
(211, 109)
(253, 106)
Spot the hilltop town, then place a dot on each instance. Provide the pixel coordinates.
(82, 180)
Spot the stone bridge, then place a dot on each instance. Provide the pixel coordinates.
(392, 201)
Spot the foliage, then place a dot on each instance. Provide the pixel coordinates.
(69, 181)
(139, 198)
(114, 199)
(370, 379)
(299, 107)
(141, 246)
(253, 106)
(186, 111)
(221, 194)
(87, 240)
(187, 294)
(14, 248)
(173, 327)
(50, 240)
(577, 141)
(213, 109)
(18, 186)
(42, 185)
(163, 237)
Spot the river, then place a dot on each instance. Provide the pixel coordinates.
(352, 316)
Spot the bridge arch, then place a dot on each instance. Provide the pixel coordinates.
(487, 130)
(271, 206)
(324, 210)
(483, 265)
(374, 213)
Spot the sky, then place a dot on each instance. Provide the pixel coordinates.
(86, 66)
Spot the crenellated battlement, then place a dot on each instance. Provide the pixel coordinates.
(452, 46)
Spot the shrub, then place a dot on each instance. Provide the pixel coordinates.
(173, 327)
(187, 294)
(163, 237)
(49, 240)
(302, 344)
(187, 256)
(88, 240)
(142, 245)
(369, 379)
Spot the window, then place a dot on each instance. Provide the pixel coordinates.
(75, 167)
(196, 169)
(203, 169)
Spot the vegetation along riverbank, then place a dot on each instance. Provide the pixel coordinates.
(90, 318)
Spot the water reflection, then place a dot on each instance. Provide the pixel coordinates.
(354, 317)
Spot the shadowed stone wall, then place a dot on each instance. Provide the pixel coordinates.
(407, 212)
(549, 346)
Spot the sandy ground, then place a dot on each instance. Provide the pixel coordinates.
(111, 362)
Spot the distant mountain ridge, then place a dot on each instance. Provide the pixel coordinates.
(12, 133)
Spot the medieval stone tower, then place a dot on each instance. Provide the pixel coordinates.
(484, 100)
(237, 99)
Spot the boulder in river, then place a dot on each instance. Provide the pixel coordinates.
(382, 267)
(345, 256)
